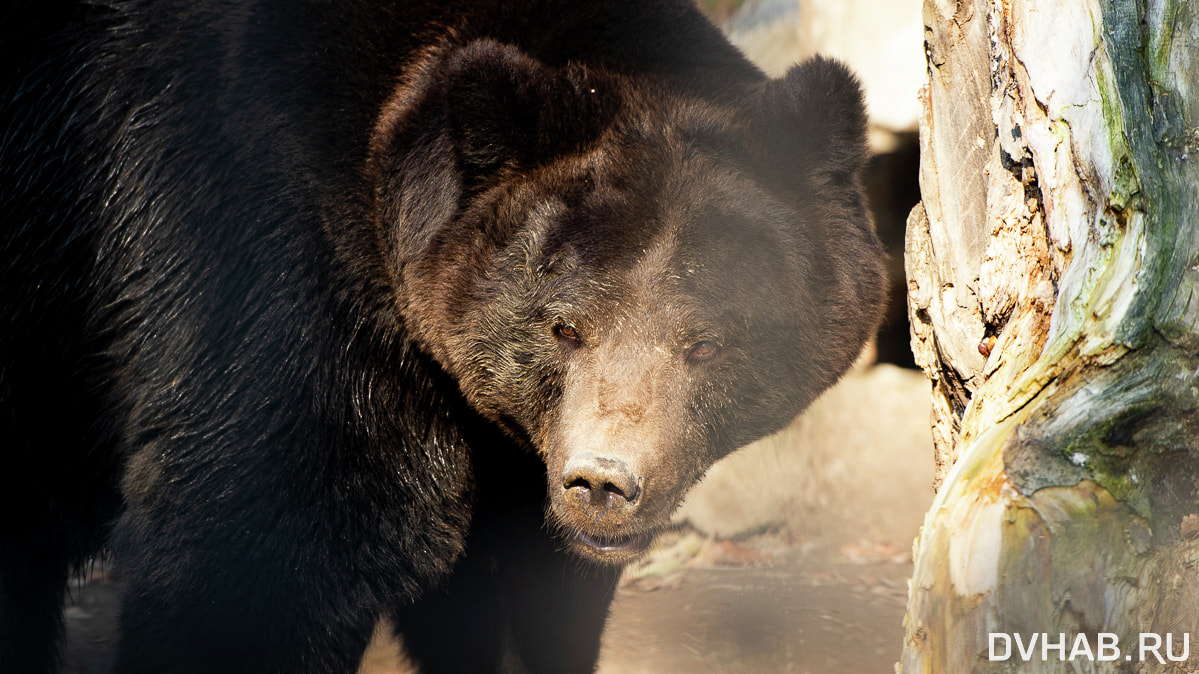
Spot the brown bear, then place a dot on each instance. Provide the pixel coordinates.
(316, 314)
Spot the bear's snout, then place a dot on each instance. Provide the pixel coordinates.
(599, 486)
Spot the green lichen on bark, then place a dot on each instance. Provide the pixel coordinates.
(1096, 468)
(1129, 427)
(1155, 118)
(1144, 393)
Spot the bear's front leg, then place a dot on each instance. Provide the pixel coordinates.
(224, 604)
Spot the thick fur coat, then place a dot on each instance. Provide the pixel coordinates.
(320, 313)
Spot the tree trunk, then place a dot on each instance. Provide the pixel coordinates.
(1053, 272)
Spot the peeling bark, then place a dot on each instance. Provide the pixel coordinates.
(1053, 274)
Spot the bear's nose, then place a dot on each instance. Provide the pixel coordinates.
(599, 484)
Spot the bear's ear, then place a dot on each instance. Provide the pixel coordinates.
(815, 122)
(505, 108)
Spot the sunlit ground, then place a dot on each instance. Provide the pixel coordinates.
(800, 550)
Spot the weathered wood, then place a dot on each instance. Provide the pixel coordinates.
(1054, 293)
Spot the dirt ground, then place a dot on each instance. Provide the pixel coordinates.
(798, 617)
(792, 556)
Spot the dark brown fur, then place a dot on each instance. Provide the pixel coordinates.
(649, 219)
(304, 307)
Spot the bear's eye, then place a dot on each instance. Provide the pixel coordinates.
(702, 351)
(568, 334)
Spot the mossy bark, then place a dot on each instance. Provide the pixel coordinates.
(1054, 293)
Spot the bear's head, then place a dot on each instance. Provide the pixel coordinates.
(630, 279)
